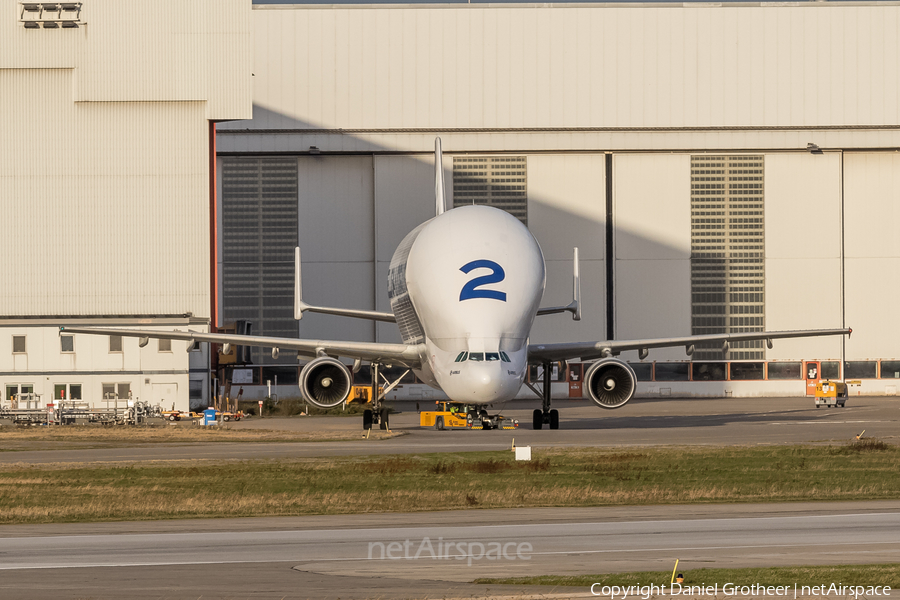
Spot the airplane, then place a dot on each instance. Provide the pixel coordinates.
(465, 288)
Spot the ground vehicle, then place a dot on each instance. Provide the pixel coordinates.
(230, 416)
(831, 393)
(359, 394)
(457, 415)
(172, 415)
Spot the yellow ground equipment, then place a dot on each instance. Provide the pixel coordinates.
(453, 415)
(831, 393)
(359, 394)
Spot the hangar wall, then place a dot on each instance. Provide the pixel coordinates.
(564, 66)
(104, 176)
(810, 88)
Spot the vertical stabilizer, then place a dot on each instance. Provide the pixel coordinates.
(576, 287)
(439, 204)
(299, 305)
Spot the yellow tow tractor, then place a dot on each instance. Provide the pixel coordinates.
(455, 415)
(831, 393)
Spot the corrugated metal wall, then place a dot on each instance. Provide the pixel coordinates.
(104, 166)
(536, 66)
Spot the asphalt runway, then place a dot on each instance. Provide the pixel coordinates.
(729, 421)
(368, 556)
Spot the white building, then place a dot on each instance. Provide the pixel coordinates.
(631, 131)
(105, 159)
(670, 143)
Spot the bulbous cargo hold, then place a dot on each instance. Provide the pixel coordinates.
(325, 382)
(611, 383)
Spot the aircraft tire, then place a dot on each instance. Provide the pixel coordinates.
(554, 419)
(439, 423)
(367, 419)
(384, 423)
(537, 421)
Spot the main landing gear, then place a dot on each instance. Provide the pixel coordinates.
(379, 414)
(544, 415)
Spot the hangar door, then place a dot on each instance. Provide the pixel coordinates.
(336, 234)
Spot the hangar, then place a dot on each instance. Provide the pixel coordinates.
(720, 167)
(105, 134)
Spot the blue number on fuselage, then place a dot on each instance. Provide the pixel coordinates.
(470, 290)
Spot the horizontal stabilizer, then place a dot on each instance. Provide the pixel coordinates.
(301, 307)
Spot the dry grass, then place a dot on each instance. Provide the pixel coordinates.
(45, 438)
(342, 485)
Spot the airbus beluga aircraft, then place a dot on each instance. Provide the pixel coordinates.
(464, 288)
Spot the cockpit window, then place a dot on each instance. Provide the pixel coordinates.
(504, 357)
(491, 356)
(461, 357)
(476, 356)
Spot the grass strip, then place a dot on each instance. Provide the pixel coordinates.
(54, 438)
(856, 575)
(405, 483)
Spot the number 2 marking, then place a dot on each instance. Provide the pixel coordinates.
(471, 289)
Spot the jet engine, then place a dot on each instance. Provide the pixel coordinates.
(325, 382)
(610, 382)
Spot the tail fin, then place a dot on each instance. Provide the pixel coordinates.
(576, 287)
(299, 304)
(439, 205)
(574, 306)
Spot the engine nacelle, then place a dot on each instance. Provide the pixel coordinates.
(610, 382)
(325, 382)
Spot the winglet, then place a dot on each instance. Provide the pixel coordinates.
(439, 205)
(576, 287)
(299, 304)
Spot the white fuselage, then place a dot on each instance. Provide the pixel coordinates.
(467, 285)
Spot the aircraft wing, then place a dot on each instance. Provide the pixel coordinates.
(546, 353)
(393, 354)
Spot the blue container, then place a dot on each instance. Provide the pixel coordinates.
(209, 416)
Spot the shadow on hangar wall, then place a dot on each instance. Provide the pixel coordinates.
(267, 136)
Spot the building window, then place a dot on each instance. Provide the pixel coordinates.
(830, 369)
(890, 369)
(195, 389)
(165, 345)
(708, 371)
(727, 252)
(678, 371)
(785, 370)
(112, 391)
(747, 371)
(860, 369)
(643, 371)
(67, 343)
(195, 346)
(115, 343)
(18, 344)
(498, 181)
(67, 391)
